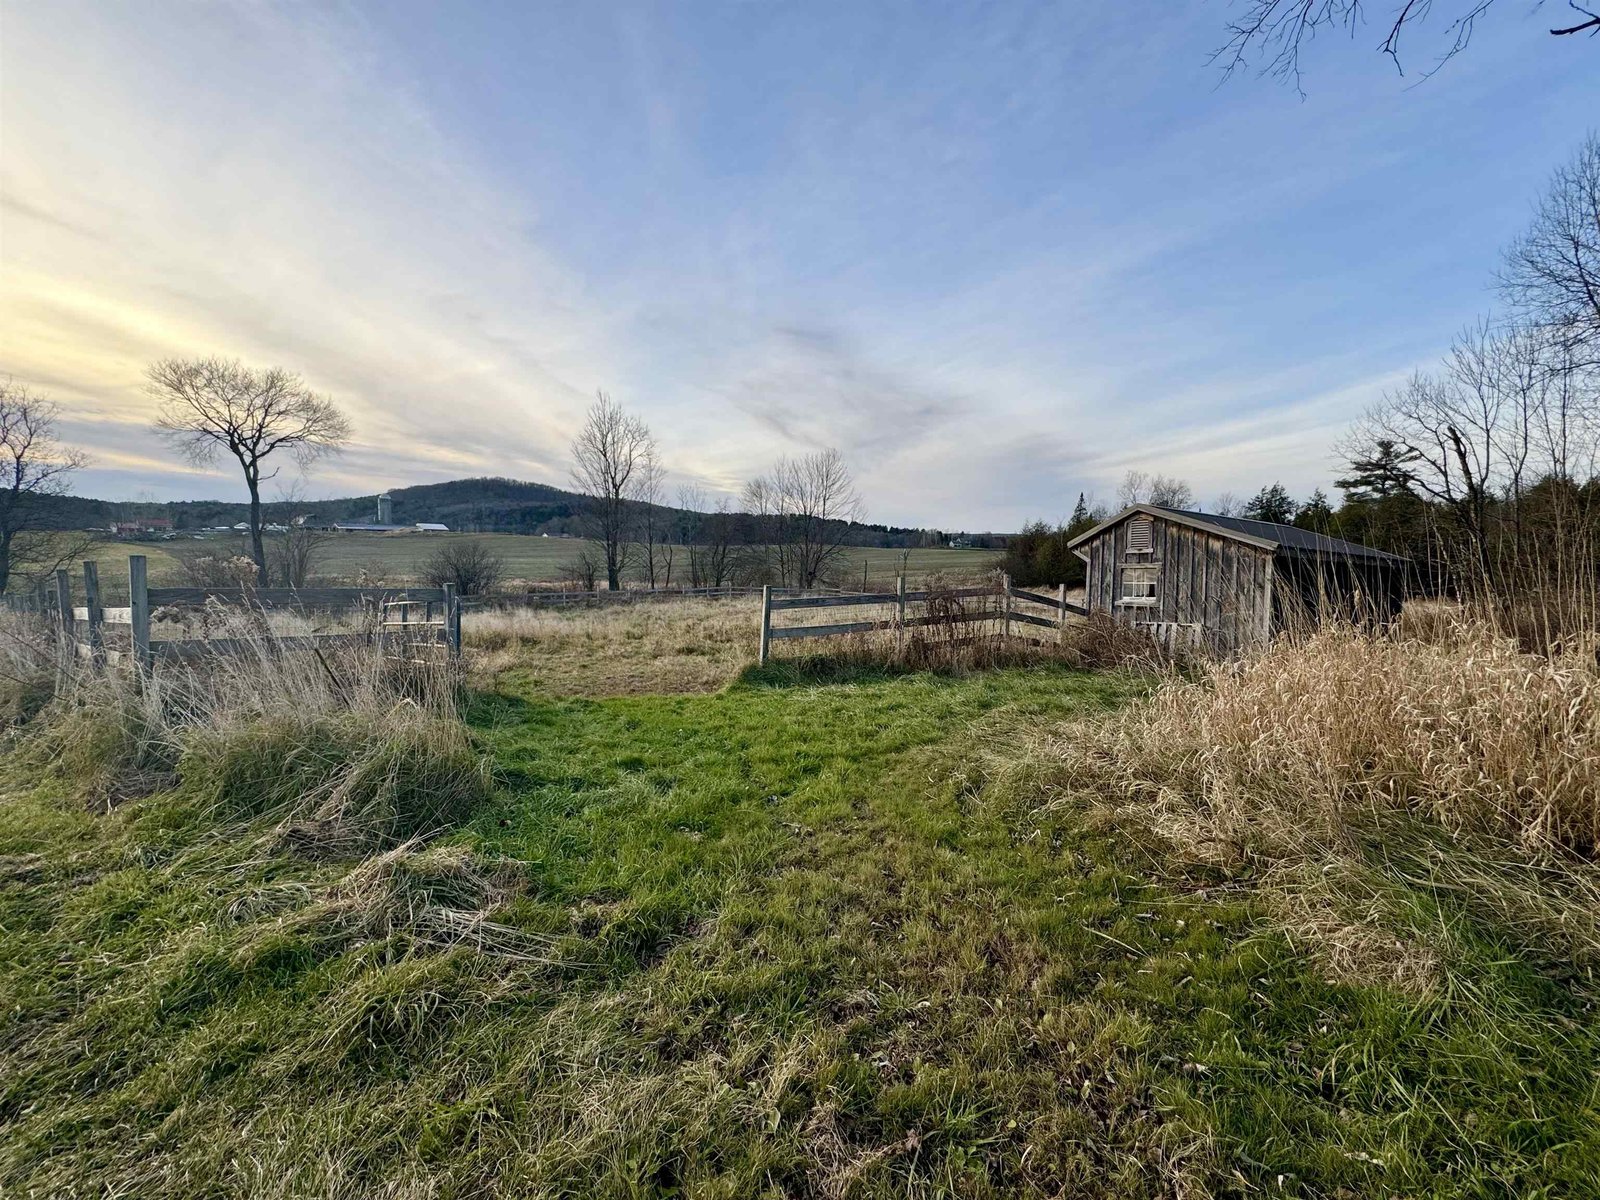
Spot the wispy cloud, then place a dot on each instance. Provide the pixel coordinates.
(995, 259)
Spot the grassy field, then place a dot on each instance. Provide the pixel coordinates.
(530, 559)
(809, 931)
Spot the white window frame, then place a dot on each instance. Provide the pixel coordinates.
(1141, 576)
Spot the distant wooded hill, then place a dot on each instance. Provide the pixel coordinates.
(489, 505)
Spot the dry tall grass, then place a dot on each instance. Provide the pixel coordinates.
(345, 749)
(1466, 730)
(1342, 764)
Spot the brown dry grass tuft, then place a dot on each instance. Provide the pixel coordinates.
(345, 750)
(1339, 772)
(1468, 731)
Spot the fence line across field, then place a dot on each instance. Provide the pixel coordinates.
(561, 599)
(782, 600)
(83, 626)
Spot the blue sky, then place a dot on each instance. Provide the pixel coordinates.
(996, 254)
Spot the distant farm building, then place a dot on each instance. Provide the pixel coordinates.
(375, 527)
(1226, 584)
(142, 525)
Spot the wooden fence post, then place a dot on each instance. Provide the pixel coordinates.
(766, 624)
(900, 614)
(1061, 599)
(1005, 604)
(452, 620)
(91, 598)
(139, 610)
(69, 627)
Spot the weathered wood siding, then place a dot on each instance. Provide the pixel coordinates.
(1218, 587)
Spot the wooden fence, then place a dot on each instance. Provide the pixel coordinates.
(566, 599)
(405, 618)
(1007, 614)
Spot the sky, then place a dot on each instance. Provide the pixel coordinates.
(996, 254)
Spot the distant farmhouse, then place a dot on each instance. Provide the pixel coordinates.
(1226, 584)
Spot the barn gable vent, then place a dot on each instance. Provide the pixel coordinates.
(1141, 535)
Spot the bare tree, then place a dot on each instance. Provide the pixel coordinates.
(214, 404)
(34, 467)
(1225, 505)
(1494, 419)
(805, 506)
(467, 563)
(1272, 33)
(581, 569)
(709, 535)
(1552, 273)
(293, 554)
(613, 460)
(655, 523)
(1165, 491)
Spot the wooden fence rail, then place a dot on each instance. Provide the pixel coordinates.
(83, 626)
(776, 600)
(621, 596)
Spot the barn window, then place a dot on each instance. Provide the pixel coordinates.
(1141, 536)
(1139, 585)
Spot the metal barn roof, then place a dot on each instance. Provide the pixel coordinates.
(1289, 539)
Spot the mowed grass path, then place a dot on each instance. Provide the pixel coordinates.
(810, 937)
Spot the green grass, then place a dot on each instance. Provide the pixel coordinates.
(807, 936)
(535, 559)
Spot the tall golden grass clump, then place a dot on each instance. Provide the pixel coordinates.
(1346, 774)
(345, 749)
(1465, 730)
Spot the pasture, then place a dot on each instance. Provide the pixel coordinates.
(827, 928)
(399, 557)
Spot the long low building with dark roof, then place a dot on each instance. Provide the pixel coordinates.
(1226, 584)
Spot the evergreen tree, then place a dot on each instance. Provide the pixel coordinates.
(1316, 514)
(1382, 472)
(1081, 519)
(1271, 503)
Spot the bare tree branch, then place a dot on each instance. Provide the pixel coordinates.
(34, 466)
(1275, 33)
(212, 404)
(1552, 273)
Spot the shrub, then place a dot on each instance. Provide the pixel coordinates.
(467, 564)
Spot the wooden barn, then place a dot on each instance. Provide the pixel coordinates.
(1222, 585)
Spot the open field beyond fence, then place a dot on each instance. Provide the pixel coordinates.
(537, 560)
